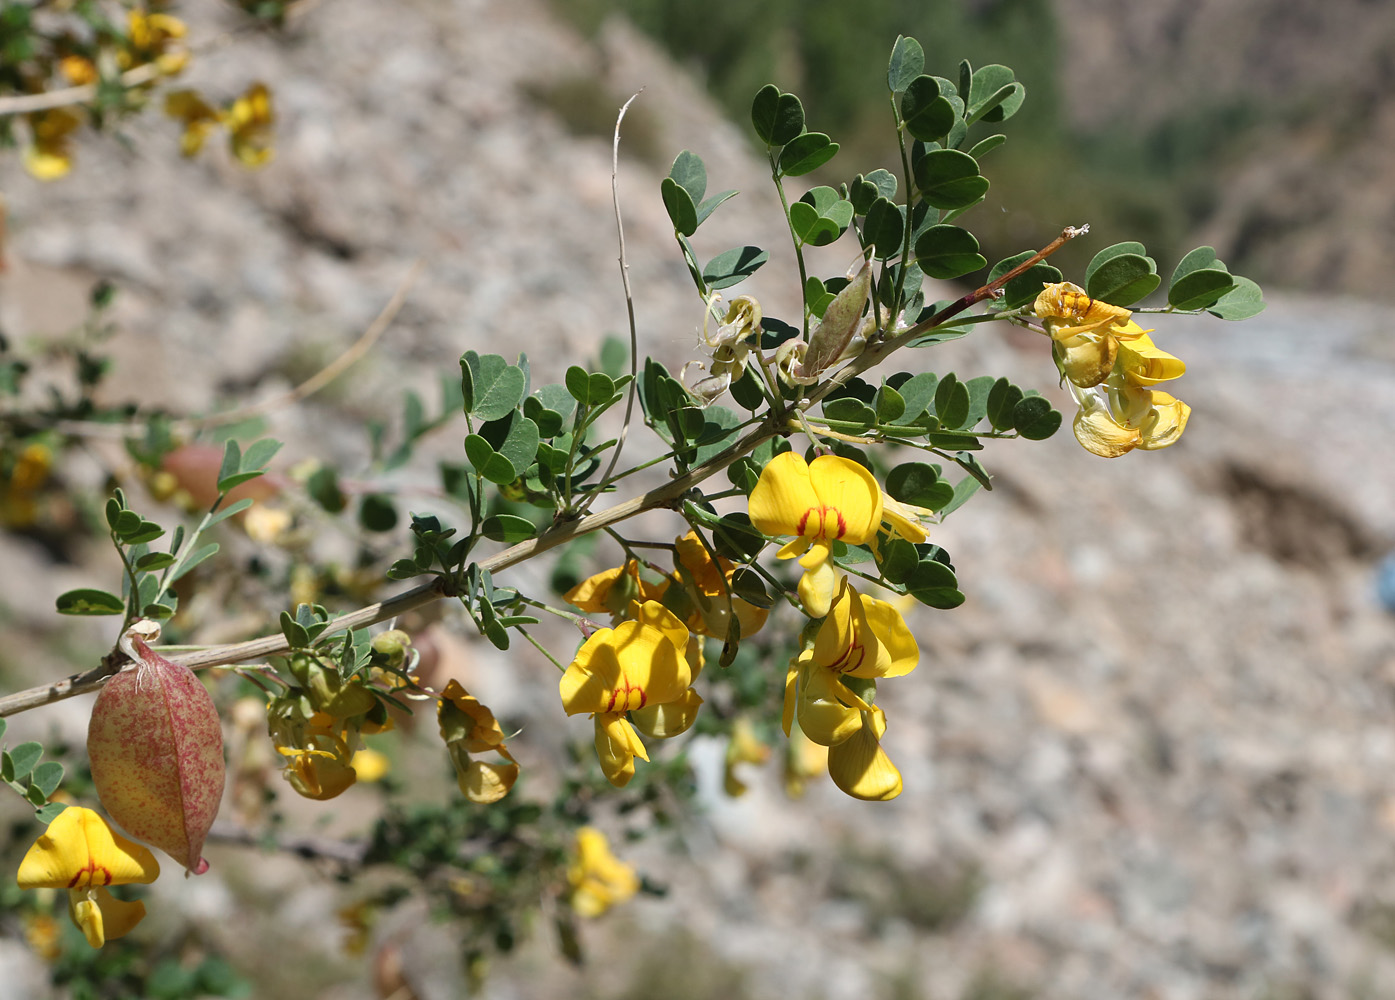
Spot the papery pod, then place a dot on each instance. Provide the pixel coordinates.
(156, 749)
(841, 320)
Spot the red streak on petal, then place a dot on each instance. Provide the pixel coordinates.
(804, 521)
(842, 524)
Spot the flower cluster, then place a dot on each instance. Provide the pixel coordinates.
(248, 120)
(640, 672)
(152, 40)
(1111, 365)
(318, 728)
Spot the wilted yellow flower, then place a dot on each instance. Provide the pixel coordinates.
(199, 118)
(81, 853)
(636, 672)
(861, 638)
(249, 122)
(467, 727)
(1142, 364)
(599, 879)
(831, 499)
(611, 591)
(707, 583)
(730, 346)
(51, 154)
(1087, 332)
(318, 751)
(1127, 418)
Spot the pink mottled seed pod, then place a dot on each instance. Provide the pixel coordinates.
(156, 749)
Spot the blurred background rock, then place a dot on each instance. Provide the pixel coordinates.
(1152, 756)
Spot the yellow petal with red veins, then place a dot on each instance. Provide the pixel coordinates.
(79, 850)
(849, 489)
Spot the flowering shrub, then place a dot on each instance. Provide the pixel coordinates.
(787, 433)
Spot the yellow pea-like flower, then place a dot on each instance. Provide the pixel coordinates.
(81, 853)
(828, 500)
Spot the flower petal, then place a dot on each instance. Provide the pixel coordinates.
(860, 767)
(668, 719)
(587, 684)
(1099, 433)
(823, 716)
(852, 490)
(1143, 364)
(79, 849)
(783, 494)
(1166, 424)
(898, 653)
(617, 746)
(484, 782)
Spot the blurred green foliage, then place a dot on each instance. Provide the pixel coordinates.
(1153, 182)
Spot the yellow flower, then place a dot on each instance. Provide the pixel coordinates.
(1142, 364)
(249, 123)
(744, 747)
(318, 750)
(707, 583)
(81, 853)
(1086, 332)
(599, 879)
(51, 155)
(638, 669)
(468, 727)
(150, 37)
(1129, 418)
(199, 118)
(611, 591)
(804, 759)
(859, 765)
(862, 638)
(831, 499)
(79, 70)
(41, 931)
(266, 524)
(370, 765)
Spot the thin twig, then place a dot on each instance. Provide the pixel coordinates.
(629, 307)
(668, 495)
(345, 852)
(50, 99)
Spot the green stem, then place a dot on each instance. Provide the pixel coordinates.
(541, 649)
